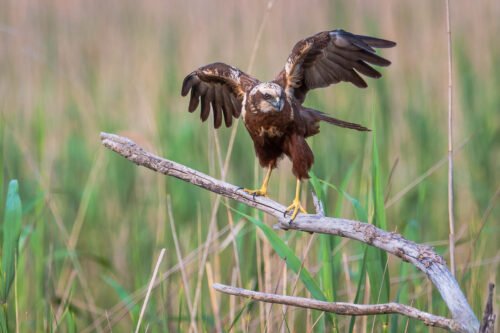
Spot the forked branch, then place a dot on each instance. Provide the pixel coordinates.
(340, 307)
(422, 257)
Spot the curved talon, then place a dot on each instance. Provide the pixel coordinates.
(294, 207)
(262, 192)
(259, 193)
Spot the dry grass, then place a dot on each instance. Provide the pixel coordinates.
(71, 69)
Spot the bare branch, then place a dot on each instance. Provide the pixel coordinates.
(340, 307)
(422, 257)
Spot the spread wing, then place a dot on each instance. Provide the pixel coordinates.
(221, 86)
(330, 57)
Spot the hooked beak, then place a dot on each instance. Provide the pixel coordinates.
(278, 104)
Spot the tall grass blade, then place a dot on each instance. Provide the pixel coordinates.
(70, 322)
(403, 293)
(326, 247)
(359, 288)
(292, 261)
(10, 246)
(361, 215)
(2, 143)
(11, 233)
(238, 315)
(124, 296)
(374, 260)
(329, 264)
(377, 259)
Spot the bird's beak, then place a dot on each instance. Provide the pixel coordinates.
(278, 104)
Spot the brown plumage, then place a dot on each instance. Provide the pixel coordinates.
(272, 111)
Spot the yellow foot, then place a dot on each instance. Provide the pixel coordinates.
(257, 193)
(294, 208)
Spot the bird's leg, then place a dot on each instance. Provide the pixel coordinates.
(295, 206)
(263, 189)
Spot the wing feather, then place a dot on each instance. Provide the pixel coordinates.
(205, 104)
(194, 99)
(330, 57)
(364, 69)
(236, 110)
(220, 88)
(371, 58)
(217, 106)
(359, 65)
(228, 106)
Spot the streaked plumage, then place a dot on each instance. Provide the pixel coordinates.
(272, 111)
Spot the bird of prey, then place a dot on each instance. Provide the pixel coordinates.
(273, 112)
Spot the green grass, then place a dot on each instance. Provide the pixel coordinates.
(92, 224)
(12, 224)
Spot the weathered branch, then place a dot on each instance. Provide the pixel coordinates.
(340, 307)
(422, 257)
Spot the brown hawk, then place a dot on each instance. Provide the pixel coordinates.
(272, 111)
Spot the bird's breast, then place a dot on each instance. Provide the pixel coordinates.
(272, 125)
(271, 131)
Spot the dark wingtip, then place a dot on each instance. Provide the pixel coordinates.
(187, 84)
(193, 101)
(383, 44)
(379, 61)
(391, 43)
(388, 43)
(361, 128)
(360, 84)
(378, 42)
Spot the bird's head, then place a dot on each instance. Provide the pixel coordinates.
(267, 97)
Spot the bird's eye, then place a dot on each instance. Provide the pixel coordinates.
(267, 96)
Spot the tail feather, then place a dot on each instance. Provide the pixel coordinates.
(340, 123)
(312, 117)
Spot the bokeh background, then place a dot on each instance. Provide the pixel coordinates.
(94, 224)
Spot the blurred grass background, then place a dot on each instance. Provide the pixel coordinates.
(94, 224)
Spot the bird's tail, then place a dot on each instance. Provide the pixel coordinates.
(341, 123)
(316, 116)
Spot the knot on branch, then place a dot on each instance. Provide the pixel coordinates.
(370, 233)
(428, 257)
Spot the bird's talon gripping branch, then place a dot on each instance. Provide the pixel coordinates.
(262, 192)
(295, 207)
